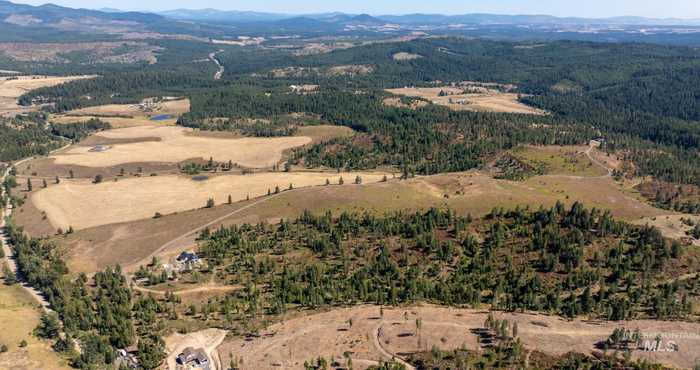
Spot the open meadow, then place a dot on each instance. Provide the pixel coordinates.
(479, 99)
(83, 204)
(166, 112)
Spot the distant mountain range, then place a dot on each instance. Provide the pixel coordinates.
(421, 19)
(20, 22)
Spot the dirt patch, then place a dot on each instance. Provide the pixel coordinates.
(474, 97)
(12, 88)
(406, 56)
(400, 103)
(672, 226)
(374, 334)
(208, 340)
(82, 204)
(176, 145)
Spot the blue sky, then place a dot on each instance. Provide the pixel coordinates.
(580, 8)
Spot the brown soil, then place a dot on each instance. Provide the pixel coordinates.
(374, 336)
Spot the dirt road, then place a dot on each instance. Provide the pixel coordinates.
(220, 72)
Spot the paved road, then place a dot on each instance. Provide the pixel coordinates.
(9, 256)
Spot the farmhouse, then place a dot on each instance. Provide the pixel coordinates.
(194, 358)
(187, 261)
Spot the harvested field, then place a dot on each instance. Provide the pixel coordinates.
(19, 316)
(476, 98)
(373, 336)
(178, 144)
(12, 88)
(82, 204)
(115, 122)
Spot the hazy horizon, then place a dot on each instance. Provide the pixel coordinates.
(684, 9)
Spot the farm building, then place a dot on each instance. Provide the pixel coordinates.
(195, 358)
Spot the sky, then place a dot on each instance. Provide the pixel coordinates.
(578, 8)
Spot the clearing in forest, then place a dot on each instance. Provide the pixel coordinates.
(473, 97)
(178, 144)
(150, 112)
(82, 204)
(11, 88)
(368, 335)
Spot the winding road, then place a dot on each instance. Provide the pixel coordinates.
(220, 72)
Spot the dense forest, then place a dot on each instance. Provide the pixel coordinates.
(642, 98)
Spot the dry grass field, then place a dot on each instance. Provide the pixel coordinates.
(559, 160)
(12, 88)
(42, 167)
(671, 226)
(374, 337)
(19, 316)
(177, 144)
(82, 204)
(481, 100)
(131, 243)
